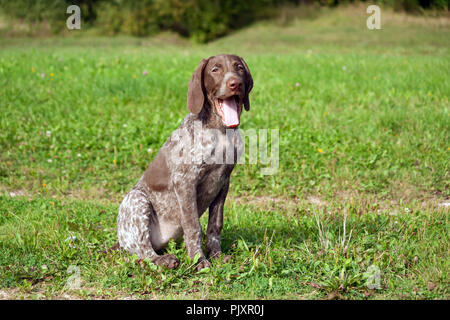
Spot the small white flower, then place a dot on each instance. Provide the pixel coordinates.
(71, 238)
(50, 160)
(78, 155)
(344, 68)
(125, 125)
(48, 133)
(297, 84)
(149, 150)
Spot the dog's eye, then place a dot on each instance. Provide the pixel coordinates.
(215, 69)
(240, 67)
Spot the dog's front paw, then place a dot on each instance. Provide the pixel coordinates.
(203, 264)
(167, 260)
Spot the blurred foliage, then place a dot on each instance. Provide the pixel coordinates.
(201, 20)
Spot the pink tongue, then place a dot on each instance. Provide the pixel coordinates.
(230, 112)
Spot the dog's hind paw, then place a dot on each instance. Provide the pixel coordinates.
(167, 260)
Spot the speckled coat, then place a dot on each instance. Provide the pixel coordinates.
(190, 174)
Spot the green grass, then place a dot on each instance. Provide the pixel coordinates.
(374, 102)
(274, 255)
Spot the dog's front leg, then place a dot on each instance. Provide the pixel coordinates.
(215, 224)
(190, 222)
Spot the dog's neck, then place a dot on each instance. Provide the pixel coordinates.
(210, 119)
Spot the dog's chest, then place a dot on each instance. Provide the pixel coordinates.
(211, 183)
(219, 148)
(220, 153)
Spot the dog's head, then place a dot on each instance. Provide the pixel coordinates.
(223, 84)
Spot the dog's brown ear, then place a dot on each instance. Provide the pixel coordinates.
(196, 95)
(248, 85)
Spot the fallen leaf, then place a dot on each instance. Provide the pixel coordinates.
(315, 285)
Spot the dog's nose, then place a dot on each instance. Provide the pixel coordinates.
(234, 83)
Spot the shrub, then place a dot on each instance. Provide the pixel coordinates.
(202, 20)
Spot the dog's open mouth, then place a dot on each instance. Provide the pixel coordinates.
(229, 110)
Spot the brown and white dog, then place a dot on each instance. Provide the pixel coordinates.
(181, 183)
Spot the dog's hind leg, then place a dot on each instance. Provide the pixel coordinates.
(135, 217)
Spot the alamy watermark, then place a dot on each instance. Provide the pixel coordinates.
(74, 281)
(373, 277)
(213, 146)
(374, 21)
(74, 20)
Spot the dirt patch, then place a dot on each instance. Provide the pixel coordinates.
(364, 202)
(445, 204)
(93, 194)
(6, 295)
(401, 197)
(38, 293)
(17, 193)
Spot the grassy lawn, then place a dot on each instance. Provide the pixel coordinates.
(360, 195)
